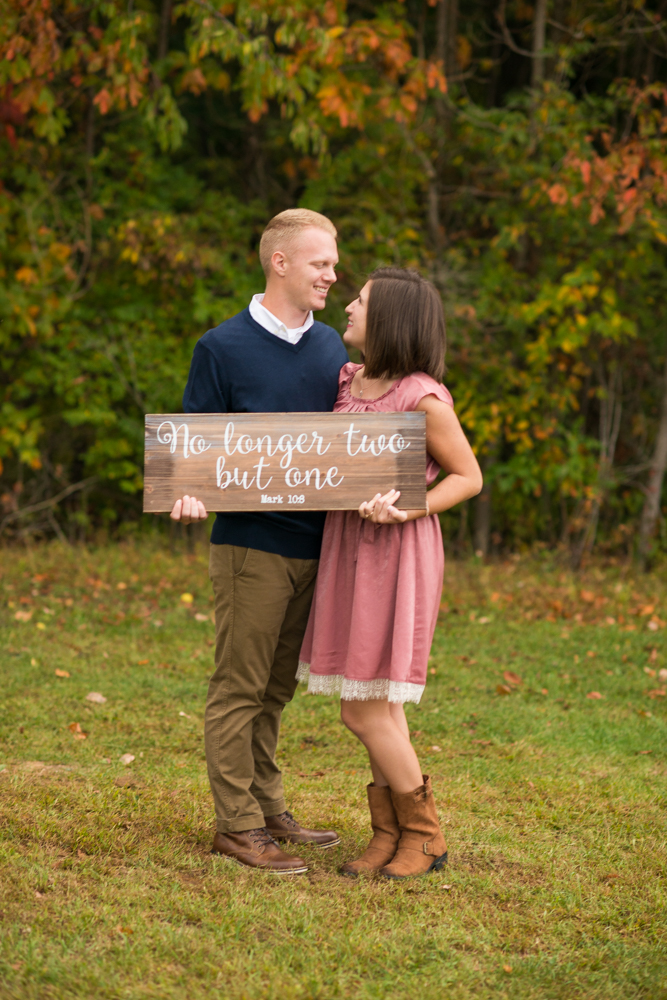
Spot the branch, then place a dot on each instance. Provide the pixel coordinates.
(46, 504)
(507, 38)
(221, 17)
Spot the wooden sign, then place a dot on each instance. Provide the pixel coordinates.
(284, 461)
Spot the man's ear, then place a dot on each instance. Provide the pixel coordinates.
(279, 263)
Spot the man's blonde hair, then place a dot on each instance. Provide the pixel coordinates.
(284, 230)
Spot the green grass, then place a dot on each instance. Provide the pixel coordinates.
(553, 804)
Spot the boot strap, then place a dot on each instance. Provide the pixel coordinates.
(413, 842)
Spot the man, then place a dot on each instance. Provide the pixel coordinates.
(272, 357)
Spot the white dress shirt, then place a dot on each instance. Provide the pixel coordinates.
(274, 325)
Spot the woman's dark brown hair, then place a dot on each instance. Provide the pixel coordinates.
(405, 326)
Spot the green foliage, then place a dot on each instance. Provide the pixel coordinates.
(142, 151)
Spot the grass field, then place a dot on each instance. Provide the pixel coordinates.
(553, 802)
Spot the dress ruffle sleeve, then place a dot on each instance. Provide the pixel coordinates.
(419, 385)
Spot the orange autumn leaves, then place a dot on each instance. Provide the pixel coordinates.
(630, 173)
(533, 600)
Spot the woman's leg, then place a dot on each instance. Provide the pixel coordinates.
(383, 731)
(398, 715)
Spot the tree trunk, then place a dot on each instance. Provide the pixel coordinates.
(656, 474)
(165, 24)
(539, 41)
(611, 407)
(482, 521)
(462, 536)
(481, 530)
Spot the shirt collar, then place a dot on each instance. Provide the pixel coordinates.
(271, 323)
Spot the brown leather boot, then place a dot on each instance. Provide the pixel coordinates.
(384, 841)
(257, 849)
(422, 846)
(287, 830)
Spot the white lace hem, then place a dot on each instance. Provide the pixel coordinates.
(351, 690)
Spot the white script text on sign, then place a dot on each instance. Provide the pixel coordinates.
(271, 461)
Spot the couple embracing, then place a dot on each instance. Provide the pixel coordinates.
(346, 601)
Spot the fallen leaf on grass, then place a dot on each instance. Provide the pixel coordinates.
(185, 715)
(23, 616)
(588, 596)
(512, 678)
(201, 618)
(416, 733)
(436, 749)
(158, 624)
(483, 743)
(503, 689)
(657, 693)
(649, 671)
(643, 752)
(40, 625)
(123, 930)
(653, 656)
(76, 731)
(483, 621)
(507, 969)
(187, 598)
(126, 758)
(447, 887)
(433, 671)
(128, 781)
(142, 663)
(644, 714)
(662, 675)
(121, 586)
(591, 653)
(544, 691)
(61, 673)
(96, 698)
(594, 694)
(315, 774)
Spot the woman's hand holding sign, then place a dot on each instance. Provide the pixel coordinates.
(381, 509)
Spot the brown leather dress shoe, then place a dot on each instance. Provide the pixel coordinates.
(288, 831)
(257, 849)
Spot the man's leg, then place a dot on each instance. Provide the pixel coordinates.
(267, 786)
(253, 590)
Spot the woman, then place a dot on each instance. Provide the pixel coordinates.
(380, 578)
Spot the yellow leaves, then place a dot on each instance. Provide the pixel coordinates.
(27, 276)
(463, 51)
(60, 251)
(187, 598)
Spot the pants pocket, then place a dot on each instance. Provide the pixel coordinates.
(240, 559)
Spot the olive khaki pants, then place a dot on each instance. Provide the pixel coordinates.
(262, 602)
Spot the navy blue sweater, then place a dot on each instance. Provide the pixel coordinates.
(242, 368)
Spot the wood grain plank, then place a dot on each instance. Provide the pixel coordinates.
(283, 461)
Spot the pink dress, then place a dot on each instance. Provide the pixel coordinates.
(378, 587)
